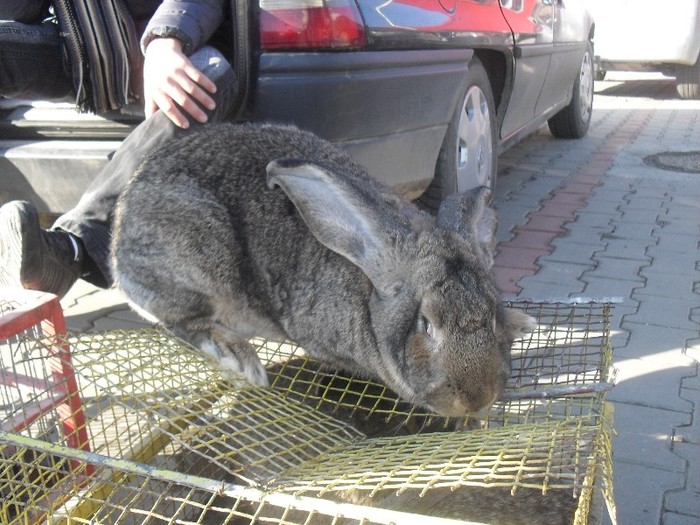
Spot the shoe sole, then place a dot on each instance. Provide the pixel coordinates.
(15, 268)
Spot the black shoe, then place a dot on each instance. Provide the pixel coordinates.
(33, 258)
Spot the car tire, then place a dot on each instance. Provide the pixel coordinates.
(468, 156)
(572, 122)
(688, 81)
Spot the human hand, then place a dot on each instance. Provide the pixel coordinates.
(172, 83)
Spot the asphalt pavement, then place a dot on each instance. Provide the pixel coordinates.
(613, 215)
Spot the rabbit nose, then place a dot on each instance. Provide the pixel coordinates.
(451, 403)
(472, 405)
(460, 407)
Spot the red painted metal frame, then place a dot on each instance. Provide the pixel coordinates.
(44, 310)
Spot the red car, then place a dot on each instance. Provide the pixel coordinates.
(424, 93)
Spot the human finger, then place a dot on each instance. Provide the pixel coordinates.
(188, 96)
(167, 105)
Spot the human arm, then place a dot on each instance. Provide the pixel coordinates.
(171, 82)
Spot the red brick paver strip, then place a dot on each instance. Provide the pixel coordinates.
(518, 256)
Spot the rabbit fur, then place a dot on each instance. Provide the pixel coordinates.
(234, 231)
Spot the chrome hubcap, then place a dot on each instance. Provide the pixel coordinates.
(586, 87)
(474, 147)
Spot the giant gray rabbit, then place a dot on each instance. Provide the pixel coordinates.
(237, 231)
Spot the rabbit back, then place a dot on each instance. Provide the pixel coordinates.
(203, 245)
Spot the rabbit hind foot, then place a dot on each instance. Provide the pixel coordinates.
(236, 360)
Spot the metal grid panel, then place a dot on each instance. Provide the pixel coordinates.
(320, 447)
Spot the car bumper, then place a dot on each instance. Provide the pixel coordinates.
(388, 109)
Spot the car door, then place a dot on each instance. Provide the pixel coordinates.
(570, 39)
(532, 24)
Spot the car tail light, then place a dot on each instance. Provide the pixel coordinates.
(317, 24)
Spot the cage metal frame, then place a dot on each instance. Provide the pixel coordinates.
(39, 315)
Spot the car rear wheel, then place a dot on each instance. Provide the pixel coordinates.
(688, 81)
(467, 157)
(572, 122)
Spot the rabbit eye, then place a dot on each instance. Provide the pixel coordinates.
(426, 326)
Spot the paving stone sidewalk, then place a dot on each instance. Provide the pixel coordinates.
(609, 225)
(589, 218)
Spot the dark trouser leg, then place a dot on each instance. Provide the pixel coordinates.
(25, 11)
(32, 62)
(91, 219)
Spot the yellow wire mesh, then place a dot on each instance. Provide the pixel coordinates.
(172, 442)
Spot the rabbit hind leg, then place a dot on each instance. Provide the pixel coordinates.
(234, 357)
(191, 315)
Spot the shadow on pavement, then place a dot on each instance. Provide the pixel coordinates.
(657, 89)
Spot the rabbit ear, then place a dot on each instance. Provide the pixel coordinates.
(339, 215)
(469, 215)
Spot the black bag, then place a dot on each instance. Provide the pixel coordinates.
(103, 50)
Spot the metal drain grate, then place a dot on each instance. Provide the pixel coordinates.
(684, 161)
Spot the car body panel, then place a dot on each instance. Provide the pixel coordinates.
(572, 29)
(523, 27)
(549, 40)
(407, 84)
(638, 34)
(407, 99)
(533, 33)
(464, 20)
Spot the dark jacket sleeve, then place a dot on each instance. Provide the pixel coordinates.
(191, 21)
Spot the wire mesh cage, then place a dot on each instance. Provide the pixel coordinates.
(169, 440)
